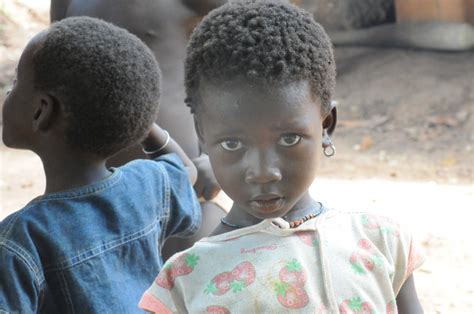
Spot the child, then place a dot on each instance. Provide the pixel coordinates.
(260, 77)
(86, 89)
(160, 24)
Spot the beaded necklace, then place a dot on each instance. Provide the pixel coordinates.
(293, 224)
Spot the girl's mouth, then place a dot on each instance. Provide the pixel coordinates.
(267, 203)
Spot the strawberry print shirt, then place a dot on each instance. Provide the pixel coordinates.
(336, 263)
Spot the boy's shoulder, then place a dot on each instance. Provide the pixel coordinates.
(47, 219)
(169, 162)
(18, 240)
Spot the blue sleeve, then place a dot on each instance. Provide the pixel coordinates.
(19, 290)
(184, 216)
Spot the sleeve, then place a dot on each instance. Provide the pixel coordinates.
(404, 251)
(19, 291)
(416, 258)
(164, 296)
(184, 216)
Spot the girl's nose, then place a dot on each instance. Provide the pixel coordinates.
(262, 168)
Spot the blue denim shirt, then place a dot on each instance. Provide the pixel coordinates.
(95, 249)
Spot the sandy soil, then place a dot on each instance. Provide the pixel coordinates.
(404, 149)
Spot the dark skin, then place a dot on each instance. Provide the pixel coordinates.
(202, 7)
(34, 120)
(164, 26)
(263, 177)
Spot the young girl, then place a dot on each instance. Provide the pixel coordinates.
(260, 77)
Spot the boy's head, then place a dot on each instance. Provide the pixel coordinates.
(259, 78)
(96, 81)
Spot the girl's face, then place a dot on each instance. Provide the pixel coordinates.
(264, 142)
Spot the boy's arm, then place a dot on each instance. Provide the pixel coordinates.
(57, 10)
(202, 7)
(407, 299)
(206, 185)
(19, 292)
(159, 143)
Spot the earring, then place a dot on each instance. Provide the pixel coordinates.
(329, 149)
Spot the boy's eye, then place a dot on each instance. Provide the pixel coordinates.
(231, 145)
(289, 140)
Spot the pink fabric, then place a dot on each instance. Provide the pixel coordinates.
(337, 263)
(152, 304)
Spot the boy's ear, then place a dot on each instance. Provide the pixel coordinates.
(45, 113)
(199, 133)
(330, 120)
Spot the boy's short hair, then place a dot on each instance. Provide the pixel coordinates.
(268, 40)
(107, 79)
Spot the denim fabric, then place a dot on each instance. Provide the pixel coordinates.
(95, 249)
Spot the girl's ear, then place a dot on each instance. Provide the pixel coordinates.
(330, 120)
(199, 133)
(46, 111)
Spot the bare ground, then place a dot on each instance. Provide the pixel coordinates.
(404, 148)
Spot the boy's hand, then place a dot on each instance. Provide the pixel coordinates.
(158, 142)
(206, 185)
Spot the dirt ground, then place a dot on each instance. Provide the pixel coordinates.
(405, 145)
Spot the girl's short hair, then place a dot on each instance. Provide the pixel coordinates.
(268, 40)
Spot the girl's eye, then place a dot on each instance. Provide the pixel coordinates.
(231, 145)
(289, 140)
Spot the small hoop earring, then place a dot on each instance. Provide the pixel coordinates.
(329, 150)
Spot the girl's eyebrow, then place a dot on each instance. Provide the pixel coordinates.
(295, 125)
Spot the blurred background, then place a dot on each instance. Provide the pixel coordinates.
(405, 136)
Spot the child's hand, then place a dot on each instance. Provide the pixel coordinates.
(206, 185)
(158, 142)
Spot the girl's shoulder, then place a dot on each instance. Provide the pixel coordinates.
(364, 224)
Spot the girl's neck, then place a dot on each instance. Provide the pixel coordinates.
(306, 205)
(67, 171)
(239, 217)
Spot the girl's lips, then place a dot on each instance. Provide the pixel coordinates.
(266, 204)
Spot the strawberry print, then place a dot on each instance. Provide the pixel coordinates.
(291, 296)
(392, 307)
(355, 306)
(361, 263)
(384, 224)
(290, 289)
(164, 279)
(369, 222)
(244, 272)
(183, 265)
(365, 244)
(292, 273)
(308, 238)
(236, 280)
(365, 260)
(215, 309)
(220, 284)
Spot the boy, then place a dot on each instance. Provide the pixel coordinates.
(162, 26)
(86, 89)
